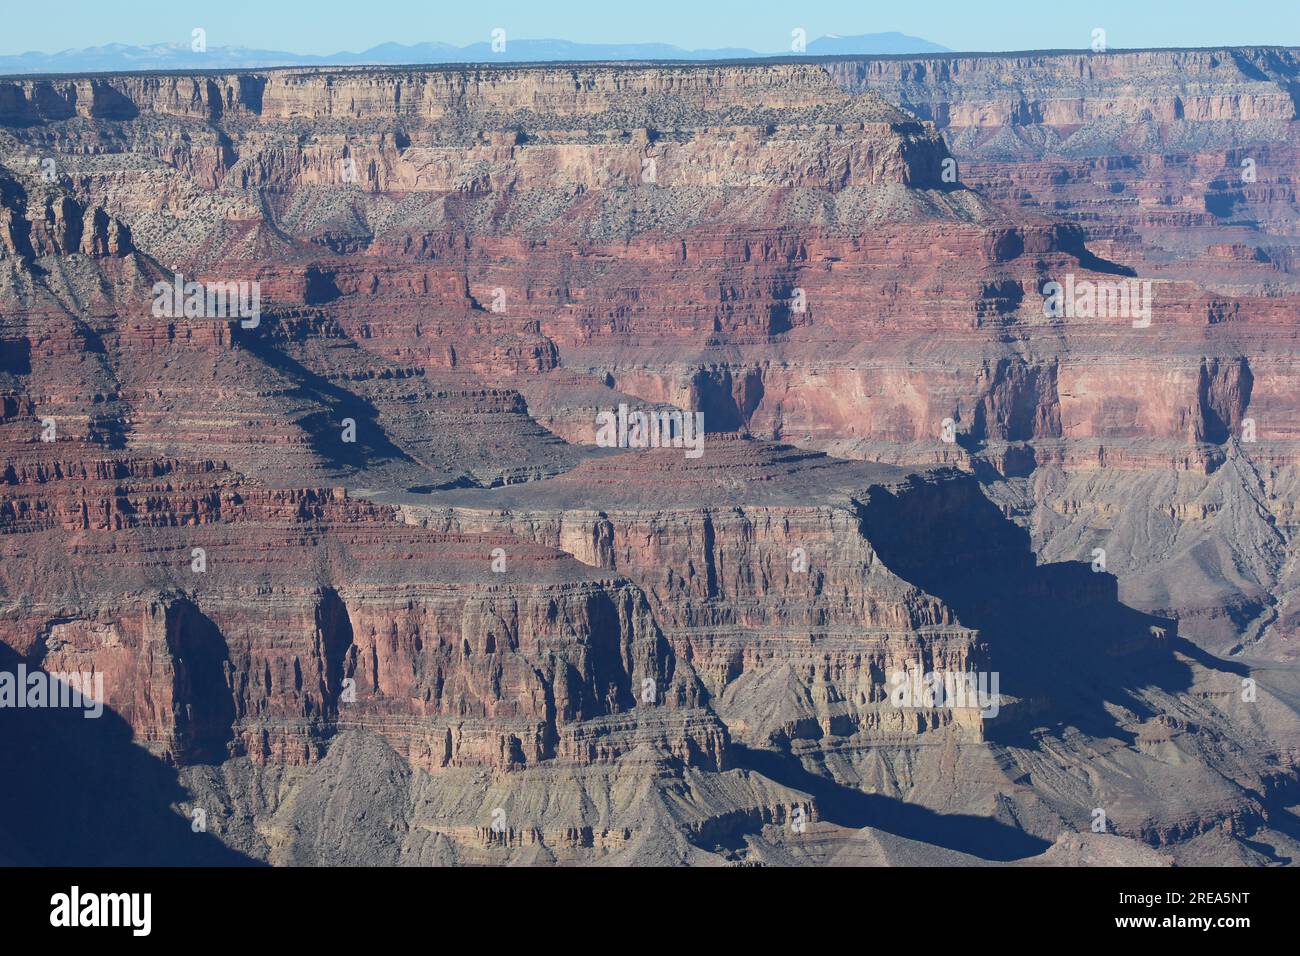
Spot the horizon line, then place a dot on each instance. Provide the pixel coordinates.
(781, 59)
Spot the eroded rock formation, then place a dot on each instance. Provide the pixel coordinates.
(363, 558)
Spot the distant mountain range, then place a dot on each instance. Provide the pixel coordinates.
(179, 56)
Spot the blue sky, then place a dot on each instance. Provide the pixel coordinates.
(328, 26)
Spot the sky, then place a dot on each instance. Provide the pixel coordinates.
(330, 26)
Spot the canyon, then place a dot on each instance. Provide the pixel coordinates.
(365, 587)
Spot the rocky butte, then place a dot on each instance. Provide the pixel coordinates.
(363, 586)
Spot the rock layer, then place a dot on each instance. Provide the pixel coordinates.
(364, 557)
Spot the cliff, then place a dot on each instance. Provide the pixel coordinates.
(363, 550)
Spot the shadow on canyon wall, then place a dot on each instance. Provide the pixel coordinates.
(982, 837)
(324, 429)
(78, 792)
(205, 722)
(1057, 633)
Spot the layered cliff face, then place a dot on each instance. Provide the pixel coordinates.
(356, 553)
(1170, 446)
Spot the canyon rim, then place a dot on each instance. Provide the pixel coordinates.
(799, 461)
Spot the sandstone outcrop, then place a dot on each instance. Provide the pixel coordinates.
(364, 557)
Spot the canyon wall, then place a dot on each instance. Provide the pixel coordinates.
(361, 555)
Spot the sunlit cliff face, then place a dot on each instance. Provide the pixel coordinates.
(326, 401)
